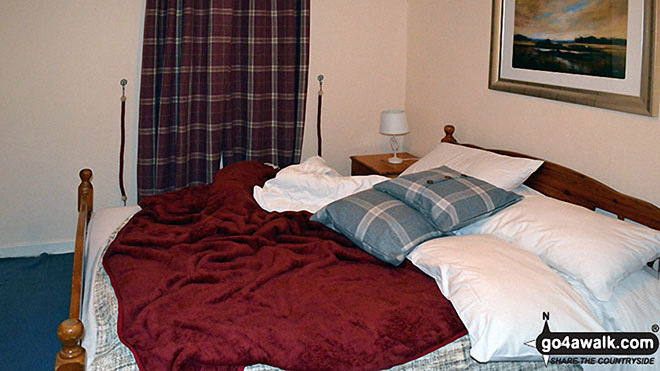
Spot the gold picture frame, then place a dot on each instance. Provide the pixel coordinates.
(639, 95)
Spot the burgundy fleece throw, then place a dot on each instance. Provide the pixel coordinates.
(207, 280)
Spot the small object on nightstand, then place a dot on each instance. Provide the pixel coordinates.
(378, 164)
(394, 123)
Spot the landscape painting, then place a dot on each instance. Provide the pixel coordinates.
(584, 37)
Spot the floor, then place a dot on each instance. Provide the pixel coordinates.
(34, 299)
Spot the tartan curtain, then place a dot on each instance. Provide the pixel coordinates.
(223, 78)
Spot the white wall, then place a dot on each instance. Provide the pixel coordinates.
(360, 48)
(447, 81)
(59, 101)
(59, 110)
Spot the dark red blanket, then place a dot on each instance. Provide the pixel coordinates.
(207, 280)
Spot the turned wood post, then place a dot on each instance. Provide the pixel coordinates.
(86, 191)
(449, 135)
(72, 356)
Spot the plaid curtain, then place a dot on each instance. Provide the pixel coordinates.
(220, 79)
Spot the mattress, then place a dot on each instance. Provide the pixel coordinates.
(104, 225)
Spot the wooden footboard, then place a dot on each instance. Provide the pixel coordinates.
(72, 355)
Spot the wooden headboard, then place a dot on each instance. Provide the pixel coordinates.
(568, 185)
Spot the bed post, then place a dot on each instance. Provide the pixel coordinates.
(449, 135)
(86, 191)
(72, 356)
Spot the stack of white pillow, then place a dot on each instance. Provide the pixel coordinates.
(539, 255)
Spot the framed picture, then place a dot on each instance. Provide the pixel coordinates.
(600, 53)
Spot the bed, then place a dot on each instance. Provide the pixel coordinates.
(550, 179)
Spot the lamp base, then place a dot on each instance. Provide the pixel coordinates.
(395, 160)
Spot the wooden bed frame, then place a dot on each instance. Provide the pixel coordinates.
(72, 356)
(550, 179)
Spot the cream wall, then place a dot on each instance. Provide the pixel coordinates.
(59, 110)
(359, 47)
(59, 101)
(447, 81)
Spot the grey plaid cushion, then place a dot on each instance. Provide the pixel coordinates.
(450, 199)
(378, 223)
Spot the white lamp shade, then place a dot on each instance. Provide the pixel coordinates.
(393, 122)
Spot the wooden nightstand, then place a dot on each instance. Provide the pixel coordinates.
(377, 164)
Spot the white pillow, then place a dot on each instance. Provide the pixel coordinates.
(500, 293)
(502, 171)
(634, 305)
(592, 248)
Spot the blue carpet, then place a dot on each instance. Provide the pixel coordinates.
(34, 300)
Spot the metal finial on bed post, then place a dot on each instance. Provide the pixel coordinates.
(123, 83)
(318, 115)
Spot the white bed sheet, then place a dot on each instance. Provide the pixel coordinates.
(101, 228)
(309, 186)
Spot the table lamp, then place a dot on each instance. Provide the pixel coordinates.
(394, 123)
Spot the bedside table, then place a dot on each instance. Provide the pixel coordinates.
(378, 165)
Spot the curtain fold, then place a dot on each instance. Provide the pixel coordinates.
(220, 79)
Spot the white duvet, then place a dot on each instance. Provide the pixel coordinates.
(309, 186)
